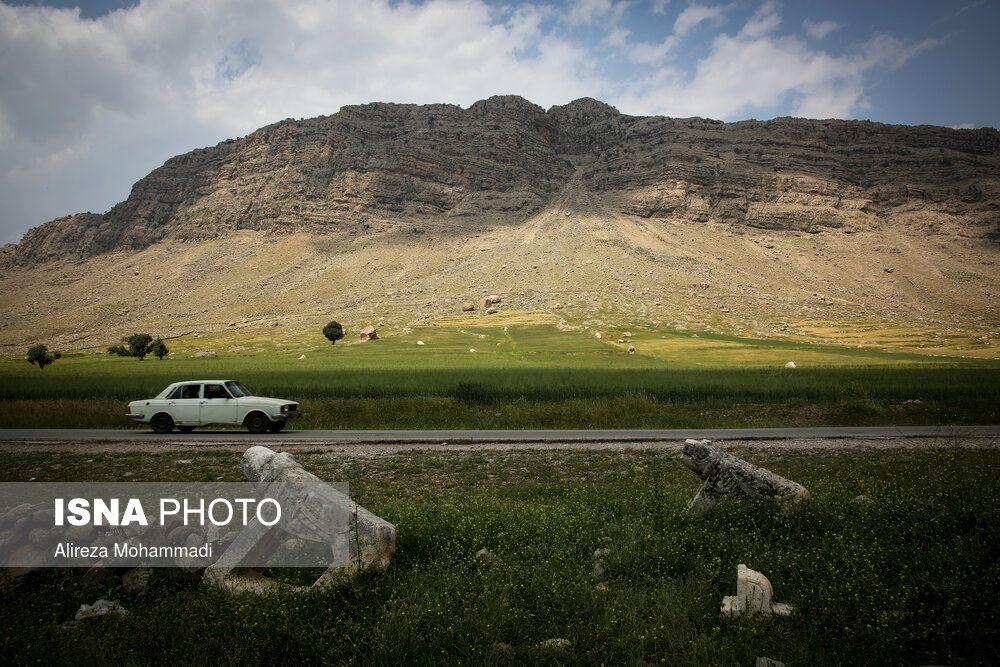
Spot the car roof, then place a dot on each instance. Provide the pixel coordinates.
(203, 381)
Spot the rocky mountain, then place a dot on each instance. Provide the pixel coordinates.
(375, 166)
(396, 215)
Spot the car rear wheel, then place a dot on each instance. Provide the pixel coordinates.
(257, 423)
(185, 429)
(276, 427)
(162, 423)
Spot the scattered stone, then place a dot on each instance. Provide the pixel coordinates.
(486, 556)
(768, 662)
(490, 300)
(602, 587)
(302, 356)
(621, 340)
(558, 306)
(468, 307)
(420, 342)
(627, 334)
(725, 474)
(472, 349)
(491, 311)
(631, 349)
(368, 333)
(100, 608)
(600, 570)
(557, 643)
(790, 364)
(753, 596)
(597, 335)
(371, 539)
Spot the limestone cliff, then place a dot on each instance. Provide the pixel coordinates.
(378, 165)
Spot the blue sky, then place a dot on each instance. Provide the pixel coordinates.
(94, 95)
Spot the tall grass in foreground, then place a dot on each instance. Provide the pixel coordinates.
(893, 562)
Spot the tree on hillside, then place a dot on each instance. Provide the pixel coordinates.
(159, 349)
(333, 331)
(137, 345)
(39, 354)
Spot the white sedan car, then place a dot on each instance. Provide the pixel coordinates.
(187, 405)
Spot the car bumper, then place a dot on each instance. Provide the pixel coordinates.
(285, 415)
(136, 416)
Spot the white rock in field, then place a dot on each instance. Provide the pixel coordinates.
(753, 596)
(420, 342)
(631, 349)
(302, 357)
(100, 608)
(790, 364)
(472, 349)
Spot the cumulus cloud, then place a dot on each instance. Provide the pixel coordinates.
(758, 70)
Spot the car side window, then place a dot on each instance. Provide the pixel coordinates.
(191, 391)
(215, 391)
(176, 393)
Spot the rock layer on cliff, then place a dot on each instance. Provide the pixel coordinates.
(376, 166)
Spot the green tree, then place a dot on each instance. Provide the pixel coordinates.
(138, 344)
(159, 349)
(118, 351)
(333, 331)
(39, 354)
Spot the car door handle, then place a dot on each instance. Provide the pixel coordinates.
(204, 402)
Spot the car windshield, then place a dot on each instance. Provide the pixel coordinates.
(237, 390)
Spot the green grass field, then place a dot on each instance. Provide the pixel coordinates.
(525, 376)
(893, 562)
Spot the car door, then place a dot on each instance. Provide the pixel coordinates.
(217, 406)
(184, 404)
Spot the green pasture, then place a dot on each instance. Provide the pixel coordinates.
(470, 375)
(893, 562)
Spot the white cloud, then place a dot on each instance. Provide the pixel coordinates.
(765, 20)
(820, 29)
(588, 11)
(660, 6)
(964, 126)
(693, 15)
(757, 71)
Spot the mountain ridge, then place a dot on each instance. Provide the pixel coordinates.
(383, 164)
(396, 215)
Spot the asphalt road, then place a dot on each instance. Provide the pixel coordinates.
(235, 436)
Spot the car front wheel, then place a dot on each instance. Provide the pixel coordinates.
(162, 423)
(257, 423)
(276, 427)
